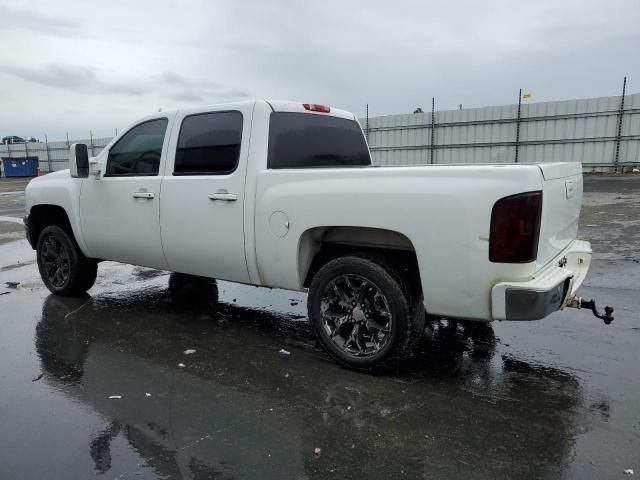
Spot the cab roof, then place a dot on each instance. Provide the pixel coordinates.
(298, 107)
(276, 106)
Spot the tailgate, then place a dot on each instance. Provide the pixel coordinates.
(561, 203)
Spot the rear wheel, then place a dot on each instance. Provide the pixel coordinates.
(63, 267)
(363, 315)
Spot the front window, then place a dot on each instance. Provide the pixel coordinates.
(138, 152)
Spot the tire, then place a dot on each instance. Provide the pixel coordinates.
(333, 315)
(63, 267)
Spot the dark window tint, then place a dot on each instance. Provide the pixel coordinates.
(209, 144)
(303, 140)
(138, 152)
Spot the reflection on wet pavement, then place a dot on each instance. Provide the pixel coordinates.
(474, 403)
(240, 410)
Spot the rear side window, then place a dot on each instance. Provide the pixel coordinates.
(209, 144)
(303, 140)
(139, 150)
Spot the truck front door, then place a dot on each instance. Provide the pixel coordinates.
(119, 211)
(202, 202)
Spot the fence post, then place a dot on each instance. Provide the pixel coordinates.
(620, 117)
(433, 130)
(46, 146)
(367, 124)
(518, 125)
(68, 147)
(91, 143)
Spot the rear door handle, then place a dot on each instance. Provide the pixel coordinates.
(225, 196)
(147, 195)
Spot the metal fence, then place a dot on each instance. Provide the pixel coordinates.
(51, 156)
(602, 133)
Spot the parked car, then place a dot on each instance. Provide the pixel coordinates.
(12, 139)
(283, 194)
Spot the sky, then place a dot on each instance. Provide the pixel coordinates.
(79, 66)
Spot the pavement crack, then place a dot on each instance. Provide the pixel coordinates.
(77, 309)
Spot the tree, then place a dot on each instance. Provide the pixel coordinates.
(418, 110)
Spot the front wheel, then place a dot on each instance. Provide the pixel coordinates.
(63, 268)
(362, 315)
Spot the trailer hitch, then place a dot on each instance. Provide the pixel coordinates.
(579, 302)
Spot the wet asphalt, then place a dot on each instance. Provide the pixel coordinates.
(557, 398)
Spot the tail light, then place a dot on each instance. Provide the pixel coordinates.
(515, 228)
(316, 107)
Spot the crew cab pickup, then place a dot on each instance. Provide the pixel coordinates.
(283, 194)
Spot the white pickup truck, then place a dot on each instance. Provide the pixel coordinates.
(283, 194)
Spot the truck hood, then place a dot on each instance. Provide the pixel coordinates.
(52, 176)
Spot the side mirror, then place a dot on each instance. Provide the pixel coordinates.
(79, 160)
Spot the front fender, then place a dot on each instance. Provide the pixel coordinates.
(62, 190)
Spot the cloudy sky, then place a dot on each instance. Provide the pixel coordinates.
(75, 66)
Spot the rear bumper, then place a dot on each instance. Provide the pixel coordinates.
(547, 291)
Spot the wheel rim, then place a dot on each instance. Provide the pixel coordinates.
(55, 262)
(356, 315)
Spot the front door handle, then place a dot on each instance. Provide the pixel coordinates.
(147, 195)
(225, 196)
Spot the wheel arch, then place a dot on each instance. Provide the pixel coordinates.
(319, 245)
(44, 215)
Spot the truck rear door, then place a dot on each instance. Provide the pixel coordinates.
(202, 201)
